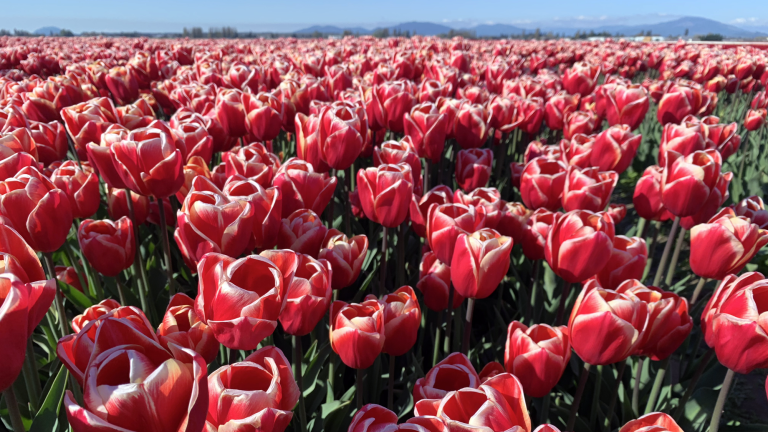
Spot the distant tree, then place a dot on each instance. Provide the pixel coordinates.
(537, 34)
(316, 34)
(381, 33)
(712, 37)
(347, 33)
(4, 32)
(649, 33)
(17, 32)
(686, 32)
(66, 33)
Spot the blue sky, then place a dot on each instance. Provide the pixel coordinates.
(287, 15)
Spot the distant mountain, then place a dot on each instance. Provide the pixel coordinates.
(420, 28)
(47, 31)
(332, 30)
(678, 27)
(492, 30)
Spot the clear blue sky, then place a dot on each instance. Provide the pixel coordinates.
(275, 15)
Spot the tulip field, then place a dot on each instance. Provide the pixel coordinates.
(379, 235)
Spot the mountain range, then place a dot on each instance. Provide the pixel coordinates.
(690, 26)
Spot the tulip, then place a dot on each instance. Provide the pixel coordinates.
(301, 187)
(668, 321)
(574, 239)
(627, 261)
(23, 306)
(503, 114)
(182, 326)
(152, 166)
(678, 102)
(723, 137)
(537, 355)
(446, 222)
(512, 221)
(196, 139)
(117, 205)
(427, 128)
(195, 167)
(558, 107)
(302, 232)
(588, 189)
(342, 132)
(395, 98)
(753, 209)
(685, 138)
(473, 168)
(122, 83)
(18, 141)
(345, 256)
(230, 112)
(647, 195)
(542, 183)
(135, 365)
(136, 115)
(81, 188)
(308, 297)
(69, 276)
(430, 90)
(108, 246)
(717, 196)
(755, 119)
(37, 209)
(253, 162)
(241, 299)
(357, 332)
(614, 149)
(374, 417)
(402, 318)
(487, 198)
(385, 193)
(11, 165)
(308, 141)
(100, 157)
(605, 326)
(725, 245)
(396, 152)
(480, 261)
(471, 126)
(264, 115)
(86, 121)
(419, 208)
(210, 222)
(18, 258)
(581, 78)
(626, 105)
(576, 151)
(579, 122)
(454, 372)
(267, 205)
(50, 140)
(688, 181)
(656, 422)
(435, 283)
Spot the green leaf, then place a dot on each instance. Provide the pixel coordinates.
(76, 297)
(47, 416)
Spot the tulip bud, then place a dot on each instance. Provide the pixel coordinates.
(357, 332)
(588, 189)
(537, 355)
(182, 326)
(574, 238)
(678, 102)
(471, 126)
(542, 183)
(427, 128)
(473, 168)
(480, 261)
(512, 221)
(558, 107)
(536, 231)
(385, 193)
(345, 256)
(301, 187)
(579, 122)
(108, 246)
(263, 115)
(581, 78)
(755, 119)
(626, 105)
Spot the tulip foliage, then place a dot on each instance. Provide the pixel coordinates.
(376, 235)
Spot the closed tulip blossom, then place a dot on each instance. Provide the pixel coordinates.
(100, 157)
(435, 283)
(487, 198)
(357, 332)
(480, 261)
(345, 255)
(257, 393)
(678, 102)
(627, 261)
(301, 187)
(22, 306)
(581, 78)
(342, 134)
(427, 128)
(512, 221)
(308, 297)
(537, 356)
(241, 299)
(391, 101)
(471, 126)
(536, 231)
(182, 326)
(725, 245)
(308, 141)
(264, 115)
(605, 326)
(117, 205)
(558, 107)
(230, 112)
(588, 189)
(197, 141)
(134, 364)
(267, 205)
(684, 138)
(37, 209)
(17, 257)
(579, 122)
(446, 222)
(668, 321)
(107, 245)
(302, 232)
(754, 209)
(82, 188)
(755, 119)
(385, 193)
(402, 318)
(419, 209)
(688, 181)
(647, 195)
(396, 152)
(473, 168)
(151, 166)
(454, 372)
(572, 242)
(615, 148)
(51, 141)
(655, 422)
(626, 105)
(723, 137)
(122, 83)
(542, 183)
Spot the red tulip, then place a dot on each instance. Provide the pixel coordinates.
(108, 246)
(253, 162)
(373, 418)
(263, 115)
(22, 306)
(342, 133)
(151, 166)
(122, 83)
(605, 326)
(537, 355)
(488, 198)
(385, 193)
(302, 232)
(685, 138)
(656, 422)
(454, 372)
(182, 326)
(480, 261)
(18, 258)
(626, 261)
(267, 205)
(512, 221)
(573, 239)
(581, 78)
(395, 152)
(100, 156)
(471, 126)
(136, 115)
(647, 195)
(211, 222)
(755, 119)
(301, 187)
(668, 321)
(536, 231)
(588, 189)
(723, 137)
(345, 256)
(444, 224)
(614, 149)
(308, 297)
(435, 283)
(419, 208)
(503, 115)
(81, 188)
(558, 107)
(473, 168)
(579, 122)
(430, 90)
(230, 112)
(427, 128)
(196, 139)
(241, 299)
(37, 209)
(395, 99)
(50, 140)
(687, 182)
(626, 105)
(86, 122)
(576, 151)
(402, 318)
(357, 332)
(542, 183)
(678, 102)
(69, 276)
(117, 205)
(729, 287)
(725, 245)
(754, 209)
(135, 365)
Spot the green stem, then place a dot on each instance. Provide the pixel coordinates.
(359, 389)
(468, 325)
(297, 360)
(665, 255)
(614, 394)
(596, 396)
(166, 246)
(697, 291)
(544, 414)
(391, 383)
(714, 425)
(650, 406)
(120, 291)
(651, 247)
(448, 321)
(563, 301)
(577, 397)
(438, 338)
(531, 306)
(675, 257)
(401, 253)
(58, 301)
(138, 263)
(31, 378)
(73, 262)
(348, 205)
(692, 383)
(383, 269)
(636, 386)
(13, 409)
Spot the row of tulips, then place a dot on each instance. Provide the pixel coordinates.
(492, 177)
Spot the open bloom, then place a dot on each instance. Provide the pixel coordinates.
(588, 189)
(542, 183)
(308, 297)
(182, 326)
(454, 372)
(149, 163)
(357, 332)
(537, 356)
